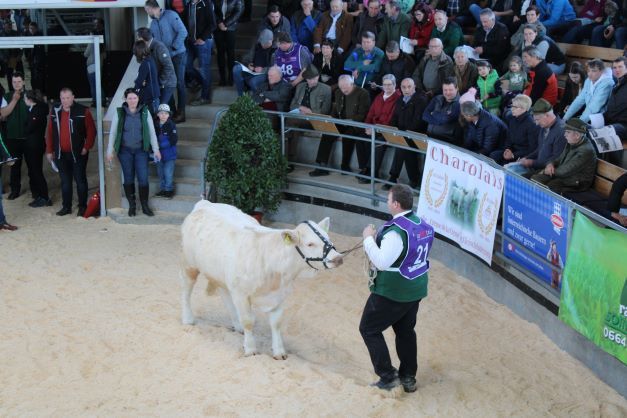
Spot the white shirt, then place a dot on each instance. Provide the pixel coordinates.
(331, 32)
(391, 248)
(4, 103)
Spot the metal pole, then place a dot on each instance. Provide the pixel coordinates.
(99, 126)
(372, 161)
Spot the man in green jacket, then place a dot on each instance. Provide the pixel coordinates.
(574, 169)
(450, 33)
(15, 111)
(395, 25)
(398, 255)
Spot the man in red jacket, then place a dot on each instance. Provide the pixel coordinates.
(543, 84)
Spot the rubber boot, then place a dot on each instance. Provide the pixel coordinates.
(129, 190)
(143, 199)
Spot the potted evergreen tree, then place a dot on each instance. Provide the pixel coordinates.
(244, 162)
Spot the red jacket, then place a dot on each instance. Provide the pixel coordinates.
(381, 111)
(422, 31)
(542, 84)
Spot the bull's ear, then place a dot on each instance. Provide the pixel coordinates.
(290, 237)
(324, 224)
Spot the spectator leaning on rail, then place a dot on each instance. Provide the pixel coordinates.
(595, 93)
(484, 131)
(574, 169)
(395, 25)
(616, 112)
(522, 132)
(433, 69)
(364, 62)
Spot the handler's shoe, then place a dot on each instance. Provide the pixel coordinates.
(386, 384)
(409, 384)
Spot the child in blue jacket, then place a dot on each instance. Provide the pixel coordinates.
(167, 138)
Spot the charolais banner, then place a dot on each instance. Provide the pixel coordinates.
(538, 222)
(594, 292)
(460, 197)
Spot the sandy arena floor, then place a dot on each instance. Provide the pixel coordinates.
(90, 325)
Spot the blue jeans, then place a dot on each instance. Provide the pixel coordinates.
(165, 169)
(203, 73)
(180, 61)
(242, 79)
(557, 69)
(166, 95)
(134, 161)
(597, 38)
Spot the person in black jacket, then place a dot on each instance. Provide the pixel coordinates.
(257, 60)
(227, 14)
(522, 132)
(329, 62)
(408, 117)
(484, 132)
(165, 129)
(492, 39)
(395, 62)
(200, 22)
(34, 147)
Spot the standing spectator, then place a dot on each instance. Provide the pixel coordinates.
(166, 26)
(292, 58)
(489, 87)
(334, 24)
(200, 21)
(165, 67)
(132, 135)
(329, 63)
(422, 25)
(532, 16)
(433, 69)
(556, 15)
(37, 61)
(396, 63)
(167, 137)
(395, 25)
(364, 62)
(491, 38)
(274, 92)
(276, 22)
(449, 32)
(542, 81)
(574, 84)
(69, 137)
(595, 93)
(352, 103)
(408, 117)
(90, 60)
(442, 114)
(613, 28)
(4, 225)
(380, 113)
(522, 132)
(258, 60)
(34, 147)
(465, 70)
(147, 81)
(15, 112)
(304, 23)
(372, 21)
(228, 13)
(484, 131)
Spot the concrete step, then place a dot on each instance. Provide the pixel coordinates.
(183, 186)
(195, 129)
(204, 114)
(120, 215)
(181, 204)
(191, 150)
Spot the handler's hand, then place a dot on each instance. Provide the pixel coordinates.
(369, 231)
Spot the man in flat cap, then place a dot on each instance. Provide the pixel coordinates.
(573, 170)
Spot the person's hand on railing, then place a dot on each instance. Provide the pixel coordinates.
(368, 131)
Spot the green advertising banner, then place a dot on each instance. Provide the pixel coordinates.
(594, 286)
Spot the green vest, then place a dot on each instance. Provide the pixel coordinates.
(16, 121)
(486, 87)
(391, 284)
(145, 117)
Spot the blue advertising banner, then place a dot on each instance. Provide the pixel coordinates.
(538, 222)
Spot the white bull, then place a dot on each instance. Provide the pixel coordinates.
(249, 264)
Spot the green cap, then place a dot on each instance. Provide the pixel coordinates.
(541, 106)
(576, 125)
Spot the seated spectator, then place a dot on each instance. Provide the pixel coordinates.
(334, 24)
(615, 113)
(574, 169)
(432, 69)
(503, 11)
(146, 84)
(329, 63)
(556, 15)
(408, 117)
(465, 70)
(442, 114)
(380, 113)
(574, 84)
(304, 23)
(422, 24)
(448, 31)
(594, 13)
(352, 103)
(522, 132)
(395, 25)
(292, 58)
(614, 200)
(406, 6)
(275, 22)
(513, 82)
(488, 87)
(595, 93)
(549, 51)
(396, 63)
(491, 38)
(364, 62)
(353, 7)
(372, 21)
(532, 16)
(274, 92)
(484, 131)
(613, 28)
(257, 60)
(551, 140)
(542, 81)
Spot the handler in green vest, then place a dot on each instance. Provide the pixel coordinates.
(398, 255)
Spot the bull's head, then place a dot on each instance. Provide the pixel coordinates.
(313, 244)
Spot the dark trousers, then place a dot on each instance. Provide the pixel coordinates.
(33, 155)
(326, 144)
(225, 45)
(16, 149)
(363, 155)
(410, 159)
(77, 170)
(616, 193)
(379, 314)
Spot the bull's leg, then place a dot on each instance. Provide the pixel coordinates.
(188, 280)
(247, 319)
(228, 302)
(276, 316)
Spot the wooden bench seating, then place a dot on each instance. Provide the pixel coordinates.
(596, 197)
(584, 53)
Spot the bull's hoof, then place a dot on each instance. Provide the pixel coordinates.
(280, 356)
(239, 330)
(250, 353)
(188, 320)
